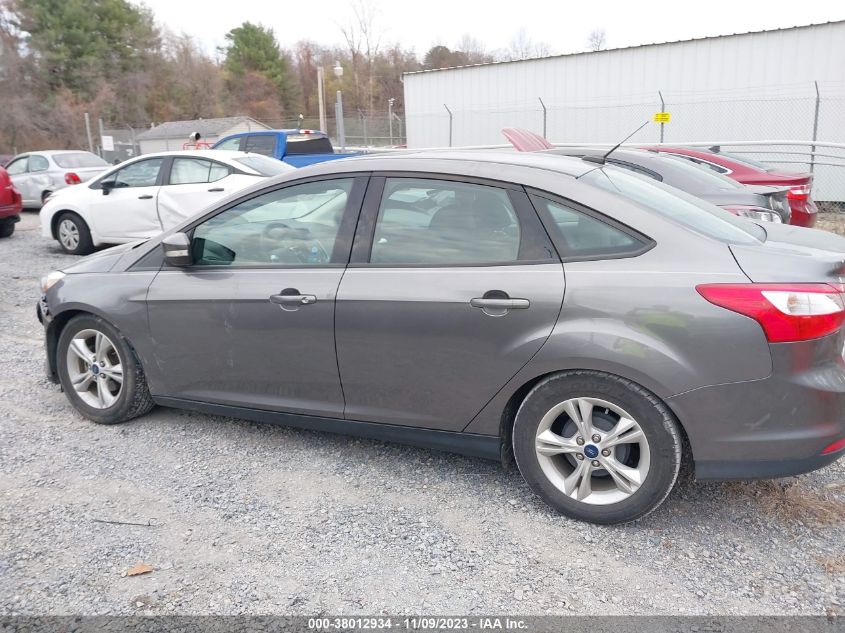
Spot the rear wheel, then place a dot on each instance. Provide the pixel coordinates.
(597, 447)
(73, 234)
(44, 196)
(100, 373)
(6, 229)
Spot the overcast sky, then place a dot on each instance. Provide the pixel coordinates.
(563, 24)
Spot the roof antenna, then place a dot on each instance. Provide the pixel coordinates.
(601, 160)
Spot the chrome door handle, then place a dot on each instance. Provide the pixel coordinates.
(293, 300)
(500, 304)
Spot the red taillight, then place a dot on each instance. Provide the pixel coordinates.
(799, 192)
(72, 179)
(786, 312)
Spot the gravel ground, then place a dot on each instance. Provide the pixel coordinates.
(252, 518)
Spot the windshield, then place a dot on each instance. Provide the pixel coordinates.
(263, 165)
(79, 160)
(676, 205)
(695, 177)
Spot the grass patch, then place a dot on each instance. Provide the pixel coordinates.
(792, 502)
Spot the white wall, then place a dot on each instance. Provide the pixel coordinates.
(757, 86)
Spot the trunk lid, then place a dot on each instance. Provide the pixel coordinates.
(793, 254)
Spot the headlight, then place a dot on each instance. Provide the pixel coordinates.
(754, 213)
(48, 281)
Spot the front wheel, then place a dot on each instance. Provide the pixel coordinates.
(597, 447)
(73, 234)
(6, 229)
(100, 373)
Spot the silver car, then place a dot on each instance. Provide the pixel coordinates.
(39, 174)
(595, 326)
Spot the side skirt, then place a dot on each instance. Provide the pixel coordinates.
(469, 444)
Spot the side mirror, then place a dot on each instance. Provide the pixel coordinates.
(107, 187)
(177, 250)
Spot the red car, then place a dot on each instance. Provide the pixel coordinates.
(750, 172)
(11, 204)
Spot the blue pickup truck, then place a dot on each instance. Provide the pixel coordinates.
(294, 147)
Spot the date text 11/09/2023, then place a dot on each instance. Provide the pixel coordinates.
(417, 623)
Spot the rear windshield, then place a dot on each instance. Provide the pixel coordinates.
(79, 161)
(308, 144)
(263, 165)
(694, 177)
(672, 203)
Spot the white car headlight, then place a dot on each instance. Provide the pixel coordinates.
(49, 280)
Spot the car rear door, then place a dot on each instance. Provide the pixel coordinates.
(453, 286)
(251, 323)
(193, 184)
(123, 205)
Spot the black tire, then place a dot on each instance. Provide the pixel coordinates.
(85, 246)
(44, 196)
(658, 424)
(134, 398)
(6, 229)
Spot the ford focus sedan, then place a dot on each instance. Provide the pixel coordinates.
(592, 325)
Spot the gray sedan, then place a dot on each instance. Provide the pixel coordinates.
(594, 326)
(37, 175)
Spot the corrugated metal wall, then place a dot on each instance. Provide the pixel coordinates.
(755, 86)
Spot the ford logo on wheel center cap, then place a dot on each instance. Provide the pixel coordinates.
(591, 451)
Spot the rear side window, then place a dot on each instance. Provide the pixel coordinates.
(308, 144)
(195, 170)
(578, 234)
(38, 163)
(443, 223)
(264, 144)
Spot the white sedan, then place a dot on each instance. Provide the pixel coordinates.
(146, 195)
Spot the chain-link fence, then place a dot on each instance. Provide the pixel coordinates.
(795, 112)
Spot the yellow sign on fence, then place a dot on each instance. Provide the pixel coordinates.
(661, 117)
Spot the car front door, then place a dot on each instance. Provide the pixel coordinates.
(453, 286)
(18, 171)
(123, 204)
(194, 184)
(251, 322)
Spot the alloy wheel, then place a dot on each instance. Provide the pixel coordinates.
(95, 369)
(592, 450)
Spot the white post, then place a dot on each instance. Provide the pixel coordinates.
(321, 100)
(341, 128)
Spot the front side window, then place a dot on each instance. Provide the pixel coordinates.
(231, 144)
(196, 170)
(38, 163)
(143, 173)
(17, 166)
(294, 226)
(441, 223)
(264, 144)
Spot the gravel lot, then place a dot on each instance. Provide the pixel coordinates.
(251, 518)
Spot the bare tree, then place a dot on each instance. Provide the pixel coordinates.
(522, 46)
(473, 50)
(363, 39)
(597, 41)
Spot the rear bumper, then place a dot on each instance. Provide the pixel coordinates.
(10, 213)
(775, 427)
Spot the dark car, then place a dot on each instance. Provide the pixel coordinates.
(766, 204)
(751, 172)
(584, 320)
(10, 204)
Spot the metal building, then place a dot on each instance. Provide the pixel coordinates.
(783, 84)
